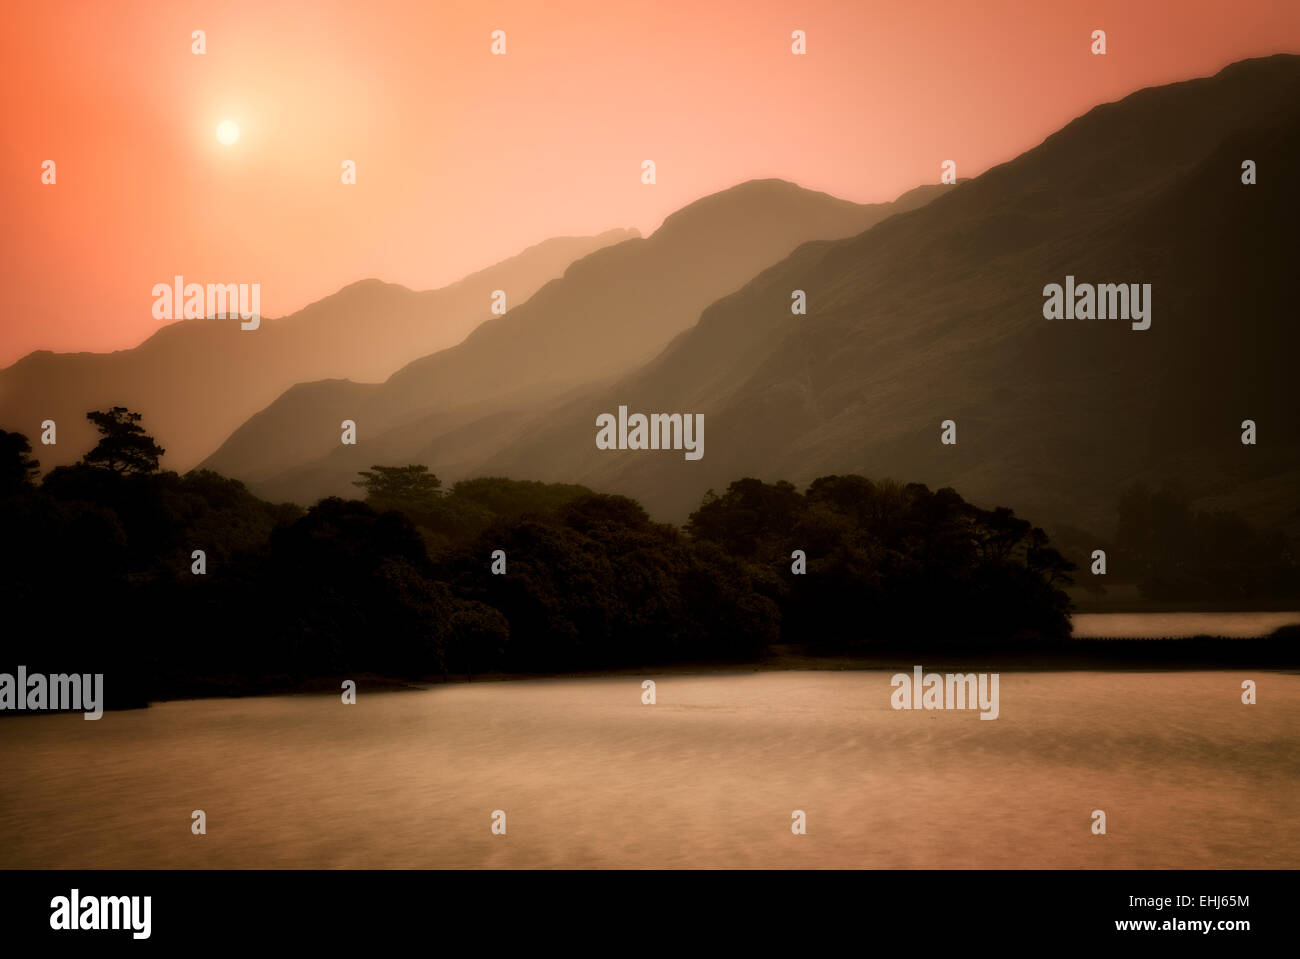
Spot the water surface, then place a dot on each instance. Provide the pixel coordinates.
(1173, 625)
(707, 777)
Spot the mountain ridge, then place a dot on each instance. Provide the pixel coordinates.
(196, 380)
(791, 397)
(610, 311)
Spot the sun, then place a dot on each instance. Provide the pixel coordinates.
(228, 132)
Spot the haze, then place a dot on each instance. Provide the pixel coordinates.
(464, 158)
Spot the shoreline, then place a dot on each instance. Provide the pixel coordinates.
(1277, 652)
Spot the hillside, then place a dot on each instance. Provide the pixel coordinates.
(196, 380)
(611, 312)
(938, 314)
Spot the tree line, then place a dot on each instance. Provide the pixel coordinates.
(99, 562)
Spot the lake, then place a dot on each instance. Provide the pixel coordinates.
(1174, 625)
(707, 777)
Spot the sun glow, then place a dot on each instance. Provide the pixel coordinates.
(228, 132)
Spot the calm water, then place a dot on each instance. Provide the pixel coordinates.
(1171, 625)
(708, 777)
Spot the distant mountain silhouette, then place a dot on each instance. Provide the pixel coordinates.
(611, 312)
(197, 380)
(938, 314)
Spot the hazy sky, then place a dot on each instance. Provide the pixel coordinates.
(464, 158)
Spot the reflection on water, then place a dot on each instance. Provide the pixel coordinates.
(1173, 625)
(707, 777)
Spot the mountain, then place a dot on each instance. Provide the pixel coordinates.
(938, 314)
(611, 312)
(196, 380)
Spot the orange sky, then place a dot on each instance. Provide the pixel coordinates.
(464, 158)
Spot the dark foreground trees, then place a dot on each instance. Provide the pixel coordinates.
(596, 584)
(194, 584)
(891, 563)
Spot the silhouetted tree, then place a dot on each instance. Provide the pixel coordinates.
(593, 582)
(751, 519)
(471, 506)
(596, 584)
(504, 498)
(891, 563)
(409, 489)
(1047, 562)
(124, 447)
(17, 468)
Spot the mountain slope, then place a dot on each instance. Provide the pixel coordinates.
(937, 314)
(610, 312)
(196, 380)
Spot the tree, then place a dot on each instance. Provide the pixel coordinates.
(408, 489)
(1046, 561)
(1175, 553)
(888, 563)
(17, 468)
(124, 446)
(751, 520)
